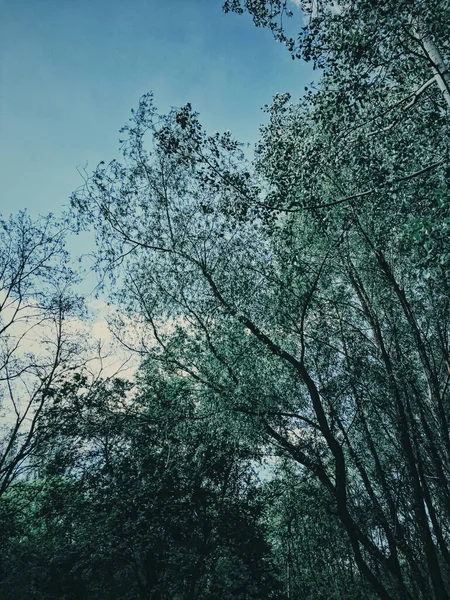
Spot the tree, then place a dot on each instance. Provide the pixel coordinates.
(37, 345)
(306, 316)
(308, 544)
(359, 43)
(136, 498)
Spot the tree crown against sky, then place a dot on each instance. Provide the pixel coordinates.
(305, 299)
(70, 73)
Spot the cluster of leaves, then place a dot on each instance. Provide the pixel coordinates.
(132, 499)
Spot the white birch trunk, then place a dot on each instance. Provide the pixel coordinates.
(440, 69)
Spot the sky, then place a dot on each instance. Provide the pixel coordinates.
(71, 70)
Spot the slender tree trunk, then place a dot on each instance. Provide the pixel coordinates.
(440, 69)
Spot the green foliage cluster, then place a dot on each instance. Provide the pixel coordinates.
(132, 500)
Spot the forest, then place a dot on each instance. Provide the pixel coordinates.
(286, 433)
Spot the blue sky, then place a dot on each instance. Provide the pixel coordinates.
(71, 70)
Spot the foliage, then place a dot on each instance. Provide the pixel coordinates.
(308, 317)
(37, 346)
(294, 316)
(134, 500)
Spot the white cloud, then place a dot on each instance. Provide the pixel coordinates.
(336, 9)
(28, 346)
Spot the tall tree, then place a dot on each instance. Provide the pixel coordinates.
(359, 42)
(136, 498)
(37, 345)
(312, 322)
